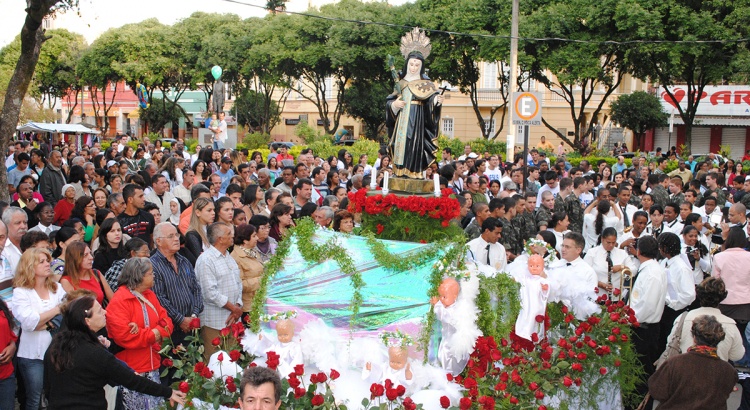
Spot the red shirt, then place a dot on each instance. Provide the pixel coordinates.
(91, 284)
(6, 336)
(281, 157)
(63, 208)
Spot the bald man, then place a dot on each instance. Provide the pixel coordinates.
(737, 217)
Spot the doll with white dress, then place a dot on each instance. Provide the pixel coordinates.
(398, 368)
(533, 294)
(283, 343)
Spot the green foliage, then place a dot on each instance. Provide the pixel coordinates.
(309, 134)
(478, 146)
(256, 110)
(106, 144)
(575, 161)
(639, 112)
(190, 144)
(159, 114)
(256, 140)
(325, 148)
(498, 302)
(365, 101)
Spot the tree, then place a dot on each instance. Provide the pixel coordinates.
(55, 72)
(583, 73)
(639, 112)
(160, 113)
(674, 60)
(250, 110)
(32, 38)
(365, 101)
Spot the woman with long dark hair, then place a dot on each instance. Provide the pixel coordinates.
(595, 220)
(281, 221)
(79, 273)
(254, 200)
(111, 245)
(79, 366)
(85, 211)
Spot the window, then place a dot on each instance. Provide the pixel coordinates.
(329, 88)
(490, 75)
(448, 127)
(489, 125)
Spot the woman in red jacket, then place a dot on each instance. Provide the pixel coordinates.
(137, 322)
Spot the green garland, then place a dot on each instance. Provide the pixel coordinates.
(453, 251)
(498, 302)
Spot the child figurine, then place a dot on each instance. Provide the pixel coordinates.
(534, 292)
(398, 369)
(284, 345)
(457, 312)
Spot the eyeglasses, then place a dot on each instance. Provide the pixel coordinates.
(170, 236)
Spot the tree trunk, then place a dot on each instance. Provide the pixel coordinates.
(32, 37)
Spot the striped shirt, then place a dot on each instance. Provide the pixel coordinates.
(178, 292)
(219, 277)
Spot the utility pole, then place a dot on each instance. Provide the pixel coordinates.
(511, 138)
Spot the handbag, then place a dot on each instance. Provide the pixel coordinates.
(673, 349)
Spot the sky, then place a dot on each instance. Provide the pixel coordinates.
(98, 16)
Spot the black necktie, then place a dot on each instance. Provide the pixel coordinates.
(625, 215)
(568, 264)
(488, 253)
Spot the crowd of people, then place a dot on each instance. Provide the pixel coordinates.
(106, 252)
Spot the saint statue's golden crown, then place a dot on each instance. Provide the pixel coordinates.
(415, 41)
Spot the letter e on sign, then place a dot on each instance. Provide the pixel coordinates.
(527, 108)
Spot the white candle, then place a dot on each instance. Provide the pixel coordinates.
(436, 180)
(385, 183)
(373, 182)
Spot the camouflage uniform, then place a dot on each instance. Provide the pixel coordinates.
(635, 200)
(542, 216)
(745, 200)
(575, 212)
(511, 237)
(660, 195)
(559, 204)
(473, 230)
(677, 198)
(721, 197)
(528, 226)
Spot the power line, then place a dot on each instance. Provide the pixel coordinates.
(494, 36)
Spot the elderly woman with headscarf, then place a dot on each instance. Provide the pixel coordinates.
(65, 205)
(137, 322)
(681, 382)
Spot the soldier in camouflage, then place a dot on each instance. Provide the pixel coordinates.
(712, 183)
(511, 238)
(573, 207)
(544, 213)
(658, 192)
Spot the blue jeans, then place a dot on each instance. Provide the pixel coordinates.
(8, 393)
(33, 378)
(217, 145)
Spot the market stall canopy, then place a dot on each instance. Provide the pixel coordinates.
(63, 128)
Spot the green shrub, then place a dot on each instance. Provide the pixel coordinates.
(478, 146)
(309, 134)
(105, 145)
(256, 140)
(190, 144)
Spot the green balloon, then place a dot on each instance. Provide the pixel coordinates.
(216, 72)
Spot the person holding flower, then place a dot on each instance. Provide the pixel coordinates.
(138, 323)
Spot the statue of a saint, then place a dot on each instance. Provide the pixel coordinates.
(413, 111)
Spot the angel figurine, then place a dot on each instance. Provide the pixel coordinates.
(398, 368)
(457, 311)
(283, 343)
(533, 294)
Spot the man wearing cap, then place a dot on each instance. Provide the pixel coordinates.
(226, 174)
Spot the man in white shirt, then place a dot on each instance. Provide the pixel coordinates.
(550, 177)
(680, 284)
(608, 261)
(493, 171)
(626, 210)
(647, 300)
(737, 217)
(671, 223)
(572, 272)
(160, 196)
(182, 191)
(16, 221)
(709, 212)
(220, 133)
(486, 249)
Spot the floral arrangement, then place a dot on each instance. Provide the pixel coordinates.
(551, 252)
(407, 218)
(396, 339)
(285, 315)
(505, 373)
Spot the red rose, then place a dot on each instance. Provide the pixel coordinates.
(299, 369)
(220, 357)
(409, 404)
(272, 360)
(167, 362)
(391, 394)
(539, 318)
(464, 403)
(322, 377)
(577, 381)
(216, 341)
(206, 373)
(577, 367)
(513, 400)
(231, 387)
(294, 382)
(314, 378)
(225, 332)
(406, 229)
(617, 362)
(377, 390)
(317, 400)
(195, 323)
(542, 407)
(445, 224)
(379, 229)
(199, 367)
(539, 394)
(184, 387)
(470, 383)
(401, 390)
(582, 356)
(567, 381)
(603, 370)
(299, 392)
(234, 355)
(501, 386)
(533, 386)
(445, 402)
(334, 374)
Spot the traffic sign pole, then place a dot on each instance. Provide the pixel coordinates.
(527, 111)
